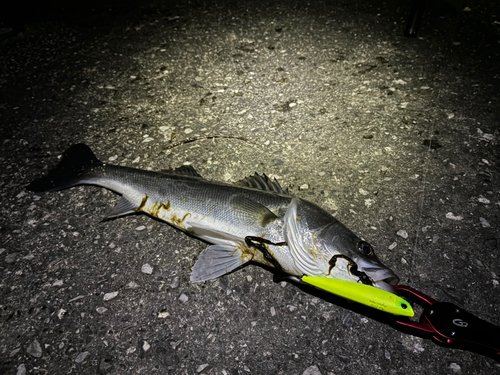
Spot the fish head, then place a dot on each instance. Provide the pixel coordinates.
(322, 246)
(358, 256)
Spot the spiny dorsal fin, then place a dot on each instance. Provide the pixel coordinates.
(185, 170)
(263, 183)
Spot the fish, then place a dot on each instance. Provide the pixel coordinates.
(253, 220)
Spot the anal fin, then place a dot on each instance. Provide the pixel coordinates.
(215, 261)
(123, 207)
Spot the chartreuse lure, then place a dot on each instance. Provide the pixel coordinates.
(364, 294)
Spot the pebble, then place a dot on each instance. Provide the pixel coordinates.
(304, 187)
(101, 310)
(81, 357)
(140, 227)
(363, 191)
(110, 296)
(399, 82)
(21, 369)
(163, 314)
(202, 367)
(188, 131)
(14, 352)
(146, 268)
(484, 200)
(11, 258)
(312, 370)
(273, 311)
(34, 349)
(455, 367)
(175, 282)
(60, 313)
(183, 298)
(402, 233)
(393, 245)
(450, 216)
(131, 285)
(146, 346)
(484, 223)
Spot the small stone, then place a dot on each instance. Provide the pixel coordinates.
(450, 216)
(304, 187)
(146, 346)
(183, 298)
(188, 131)
(455, 367)
(249, 278)
(60, 313)
(11, 258)
(57, 283)
(202, 367)
(484, 223)
(140, 227)
(175, 282)
(21, 369)
(363, 191)
(312, 370)
(131, 350)
(101, 310)
(292, 308)
(132, 285)
(291, 105)
(402, 233)
(112, 245)
(273, 311)
(81, 357)
(484, 200)
(110, 296)
(34, 349)
(113, 158)
(147, 269)
(393, 245)
(163, 314)
(14, 352)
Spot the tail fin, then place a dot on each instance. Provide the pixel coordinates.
(75, 164)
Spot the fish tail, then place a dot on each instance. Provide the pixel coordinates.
(73, 169)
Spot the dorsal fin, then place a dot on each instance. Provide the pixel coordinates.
(185, 170)
(263, 183)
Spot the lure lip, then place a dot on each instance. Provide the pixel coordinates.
(365, 294)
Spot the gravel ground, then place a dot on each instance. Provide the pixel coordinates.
(397, 137)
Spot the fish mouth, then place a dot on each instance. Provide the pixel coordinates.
(387, 284)
(383, 278)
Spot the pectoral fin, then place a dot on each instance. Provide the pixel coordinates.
(251, 211)
(215, 261)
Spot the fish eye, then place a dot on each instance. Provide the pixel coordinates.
(365, 248)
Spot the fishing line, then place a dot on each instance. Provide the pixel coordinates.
(421, 208)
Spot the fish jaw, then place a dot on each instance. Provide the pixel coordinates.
(382, 277)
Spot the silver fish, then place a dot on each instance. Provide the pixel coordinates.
(254, 220)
